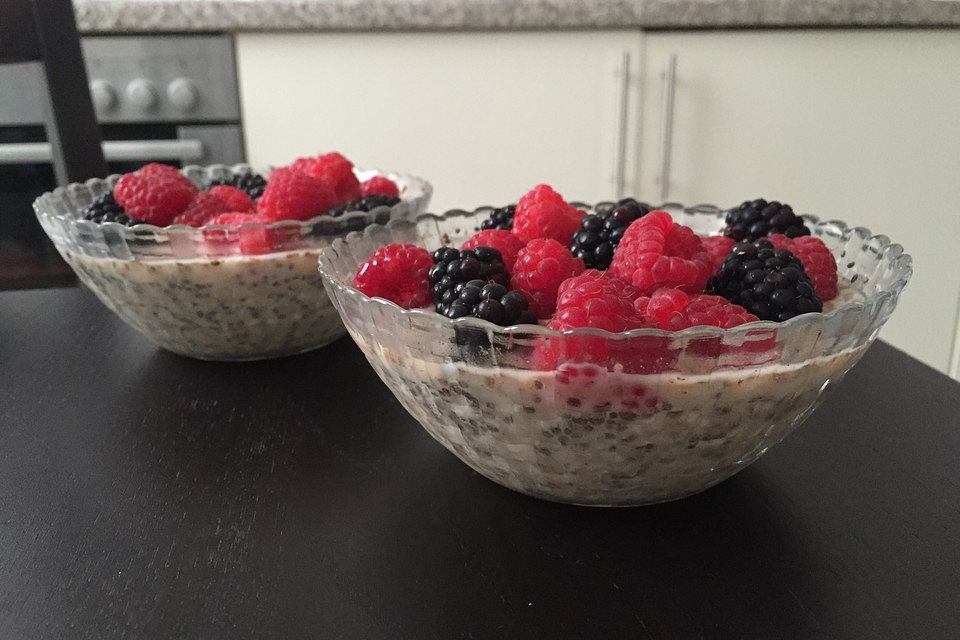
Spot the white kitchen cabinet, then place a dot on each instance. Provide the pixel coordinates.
(862, 126)
(484, 116)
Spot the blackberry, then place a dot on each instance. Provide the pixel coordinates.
(501, 218)
(769, 283)
(600, 233)
(453, 267)
(106, 209)
(365, 204)
(252, 183)
(758, 218)
(490, 301)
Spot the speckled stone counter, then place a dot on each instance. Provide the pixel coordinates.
(339, 15)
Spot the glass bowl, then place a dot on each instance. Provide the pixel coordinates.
(596, 418)
(192, 290)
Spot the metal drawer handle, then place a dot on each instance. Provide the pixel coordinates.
(669, 93)
(113, 151)
(623, 118)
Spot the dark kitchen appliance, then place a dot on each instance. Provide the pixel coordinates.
(170, 99)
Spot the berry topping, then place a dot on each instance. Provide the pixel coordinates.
(489, 301)
(718, 247)
(208, 204)
(817, 261)
(397, 272)
(292, 195)
(379, 186)
(505, 242)
(601, 232)
(543, 213)
(770, 283)
(252, 184)
(105, 209)
(595, 299)
(452, 267)
(335, 170)
(368, 203)
(155, 194)
(501, 218)
(655, 252)
(250, 240)
(673, 310)
(541, 266)
(758, 218)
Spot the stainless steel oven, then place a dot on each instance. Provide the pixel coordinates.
(170, 99)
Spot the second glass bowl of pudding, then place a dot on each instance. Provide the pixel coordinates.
(662, 416)
(195, 291)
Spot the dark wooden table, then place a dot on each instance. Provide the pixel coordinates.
(145, 495)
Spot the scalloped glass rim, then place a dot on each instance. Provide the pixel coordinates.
(413, 189)
(902, 263)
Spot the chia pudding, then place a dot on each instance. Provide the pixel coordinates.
(588, 436)
(235, 307)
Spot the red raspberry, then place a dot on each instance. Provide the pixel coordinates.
(217, 200)
(673, 310)
(636, 354)
(592, 299)
(718, 247)
(334, 169)
(662, 309)
(203, 207)
(668, 309)
(505, 242)
(293, 195)
(540, 268)
(397, 272)
(250, 240)
(379, 185)
(543, 213)
(716, 311)
(656, 253)
(595, 299)
(157, 196)
(817, 261)
(236, 198)
(158, 169)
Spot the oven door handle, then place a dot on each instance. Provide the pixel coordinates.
(113, 151)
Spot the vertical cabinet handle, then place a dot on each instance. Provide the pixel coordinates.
(623, 121)
(666, 148)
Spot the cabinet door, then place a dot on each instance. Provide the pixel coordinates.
(483, 116)
(861, 126)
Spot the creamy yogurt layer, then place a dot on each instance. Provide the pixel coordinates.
(237, 307)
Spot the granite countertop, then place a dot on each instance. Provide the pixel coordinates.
(334, 15)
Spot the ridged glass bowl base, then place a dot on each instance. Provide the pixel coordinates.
(607, 438)
(286, 352)
(231, 308)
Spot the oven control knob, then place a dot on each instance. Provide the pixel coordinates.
(104, 95)
(183, 93)
(142, 94)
